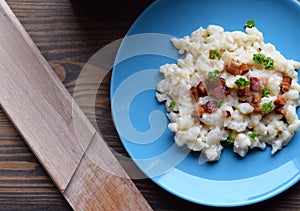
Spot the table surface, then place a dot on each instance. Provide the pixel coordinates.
(68, 34)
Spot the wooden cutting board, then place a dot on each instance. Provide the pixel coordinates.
(42, 110)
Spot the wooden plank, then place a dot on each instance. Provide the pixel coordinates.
(97, 183)
(42, 110)
(37, 103)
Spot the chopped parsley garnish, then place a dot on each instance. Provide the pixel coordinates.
(269, 63)
(172, 104)
(249, 24)
(253, 136)
(212, 76)
(267, 107)
(242, 82)
(214, 54)
(260, 58)
(230, 140)
(265, 92)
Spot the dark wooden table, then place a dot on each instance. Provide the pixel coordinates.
(68, 35)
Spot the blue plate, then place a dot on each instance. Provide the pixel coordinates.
(141, 121)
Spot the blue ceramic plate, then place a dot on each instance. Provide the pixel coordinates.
(141, 121)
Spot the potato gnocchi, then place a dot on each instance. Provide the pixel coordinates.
(230, 87)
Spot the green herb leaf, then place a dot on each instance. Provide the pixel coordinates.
(249, 24)
(230, 140)
(212, 76)
(265, 92)
(214, 54)
(242, 82)
(269, 63)
(260, 58)
(172, 104)
(267, 107)
(253, 136)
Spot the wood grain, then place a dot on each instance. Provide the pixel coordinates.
(38, 104)
(68, 35)
(94, 187)
(56, 129)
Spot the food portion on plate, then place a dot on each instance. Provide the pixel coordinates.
(230, 88)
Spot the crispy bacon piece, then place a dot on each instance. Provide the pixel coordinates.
(199, 91)
(218, 89)
(244, 92)
(194, 93)
(210, 107)
(211, 85)
(257, 110)
(258, 84)
(244, 68)
(226, 114)
(197, 112)
(254, 84)
(218, 92)
(237, 68)
(226, 90)
(233, 67)
(202, 91)
(280, 101)
(279, 110)
(286, 83)
(255, 99)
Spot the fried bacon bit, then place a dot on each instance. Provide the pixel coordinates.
(244, 92)
(197, 112)
(226, 89)
(233, 67)
(218, 92)
(199, 91)
(211, 85)
(218, 89)
(194, 93)
(280, 101)
(210, 106)
(244, 68)
(254, 84)
(279, 110)
(255, 99)
(237, 68)
(286, 83)
(257, 110)
(226, 114)
(258, 84)
(202, 91)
